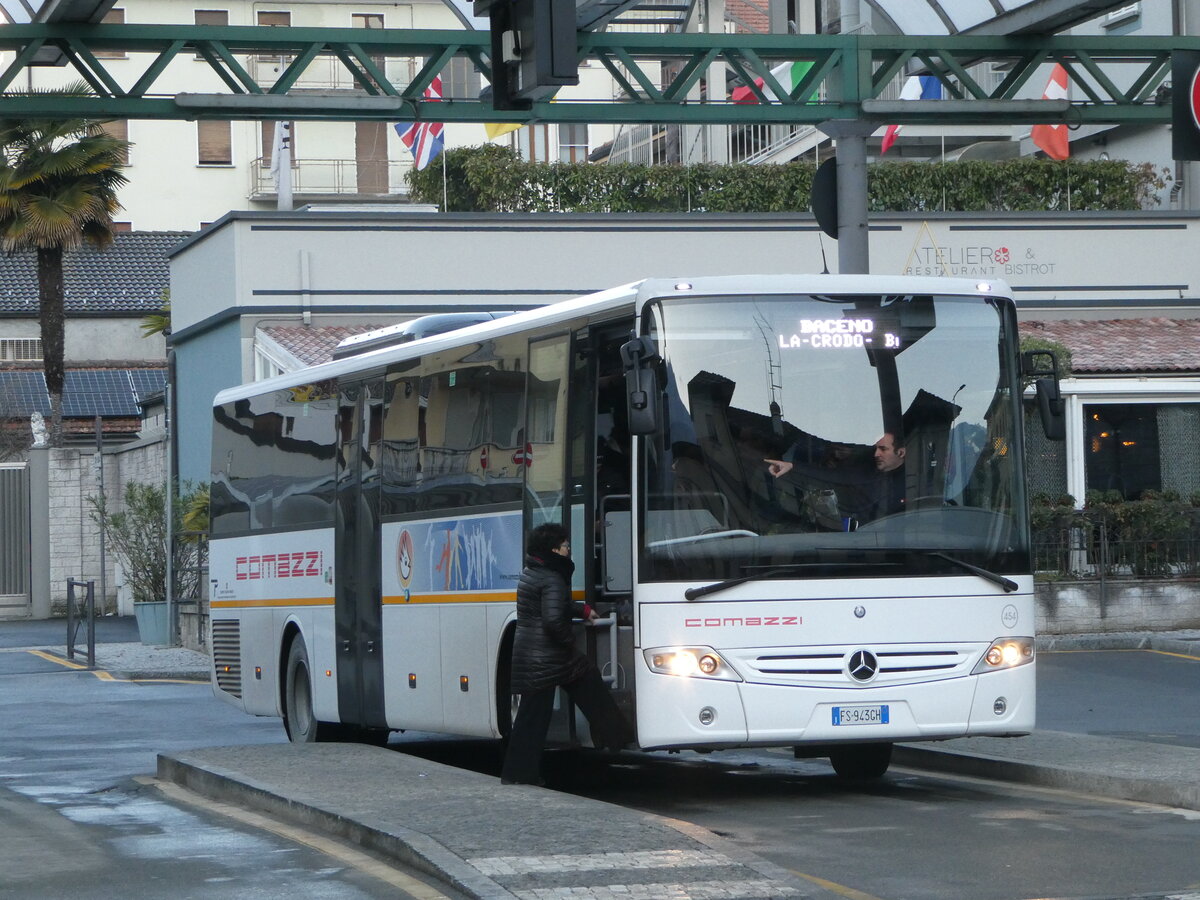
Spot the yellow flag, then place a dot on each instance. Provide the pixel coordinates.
(495, 129)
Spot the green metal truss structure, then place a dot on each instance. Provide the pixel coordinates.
(1115, 79)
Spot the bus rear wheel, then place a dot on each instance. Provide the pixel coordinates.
(861, 762)
(298, 720)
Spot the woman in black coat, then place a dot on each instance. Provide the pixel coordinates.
(545, 658)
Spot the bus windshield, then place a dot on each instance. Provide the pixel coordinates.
(833, 436)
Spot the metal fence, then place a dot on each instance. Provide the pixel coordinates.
(191, 579)
(1133, 543)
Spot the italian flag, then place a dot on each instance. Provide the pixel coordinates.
(788, 75)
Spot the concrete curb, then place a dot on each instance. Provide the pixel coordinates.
(1115, 787)
(1187, 642)
(359, 819)
(411, 847)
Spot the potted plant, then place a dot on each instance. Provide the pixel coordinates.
(137, 536)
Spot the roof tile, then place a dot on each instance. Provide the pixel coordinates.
(1124, 345)
(127, 277)
(313, 345)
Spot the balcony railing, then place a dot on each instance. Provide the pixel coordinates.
(334, 177)
(327, 73)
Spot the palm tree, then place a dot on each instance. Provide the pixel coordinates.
(58, 188)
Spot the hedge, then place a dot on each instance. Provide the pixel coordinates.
(491, 178)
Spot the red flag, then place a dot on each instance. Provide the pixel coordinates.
(1053, 138)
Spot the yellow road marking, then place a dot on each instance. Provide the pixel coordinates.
(840, 889)
(1126, 650)
(355, 859)
(50, 657)
(105, 676)
(1179, 655)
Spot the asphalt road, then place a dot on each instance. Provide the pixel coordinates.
(80, 818)
(922, 836)
(1134, 694)
(76, 820)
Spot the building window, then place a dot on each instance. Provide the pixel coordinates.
(460, 80)
(119, 129)
(265, 367)
(1045, 460)
(366, 20)
(533, 143)
(371, 157)
(21, 350)
(213, 17)
(1132, 448)
(112, 17)
(274, 19)
(217, 17)
(572, 143)
(215, 143)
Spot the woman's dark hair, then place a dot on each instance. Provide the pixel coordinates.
(545, 539)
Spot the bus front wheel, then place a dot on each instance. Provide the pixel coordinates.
(861, 761)
(301, 725)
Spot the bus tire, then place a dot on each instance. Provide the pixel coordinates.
(861, 762)
(298, 720)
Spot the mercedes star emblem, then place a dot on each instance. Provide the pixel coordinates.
(863, 666)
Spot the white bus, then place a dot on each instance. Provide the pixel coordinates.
(797, 502)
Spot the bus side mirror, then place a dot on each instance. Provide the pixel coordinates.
(638, 356)
(1051, 407)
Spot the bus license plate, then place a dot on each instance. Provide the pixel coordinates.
(860, 715)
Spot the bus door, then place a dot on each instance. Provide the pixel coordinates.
(606, 473)
(560, 476)
(358, 611)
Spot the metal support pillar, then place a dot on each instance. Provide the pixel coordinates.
(854, 251)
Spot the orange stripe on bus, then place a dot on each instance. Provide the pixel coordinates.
(285, 601)
(483, 597)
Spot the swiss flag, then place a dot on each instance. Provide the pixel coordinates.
(1053, 138)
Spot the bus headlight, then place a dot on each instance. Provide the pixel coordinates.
(1005, 653)
(690, 662)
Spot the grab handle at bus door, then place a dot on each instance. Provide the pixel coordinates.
(345, 646)
(610, 622)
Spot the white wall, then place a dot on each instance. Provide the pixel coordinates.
(96, 340)
(168, 188)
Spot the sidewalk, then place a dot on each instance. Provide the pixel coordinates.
(488, 841)
(130, 661)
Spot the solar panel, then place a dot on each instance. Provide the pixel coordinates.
(147, 382)
(104, 392)
(23, 393)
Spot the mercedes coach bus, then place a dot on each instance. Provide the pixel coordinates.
(797, 502)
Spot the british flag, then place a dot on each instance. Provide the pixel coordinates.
(424, 139)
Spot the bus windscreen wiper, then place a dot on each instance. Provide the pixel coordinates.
(1007, 583)
(697, 592)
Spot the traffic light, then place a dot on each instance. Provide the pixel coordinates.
(534, 49)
